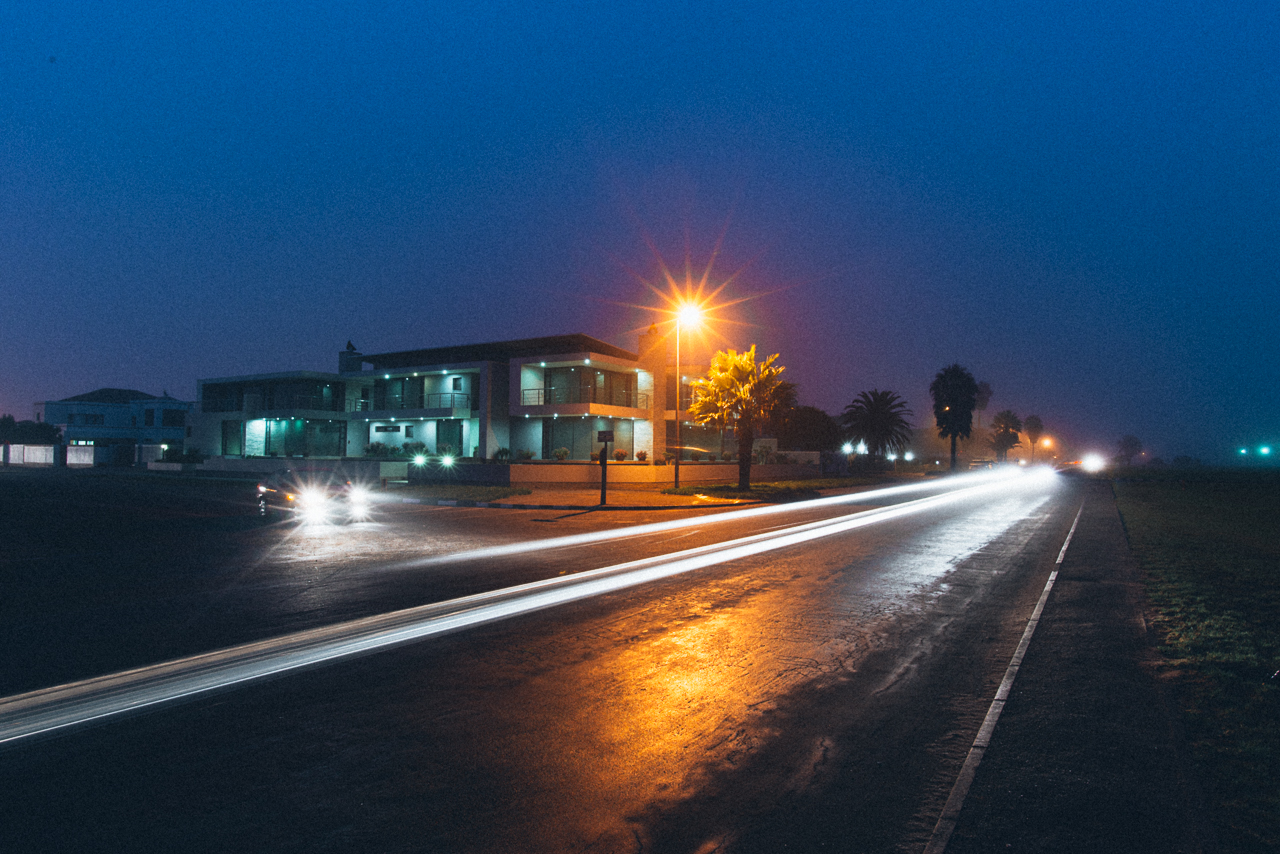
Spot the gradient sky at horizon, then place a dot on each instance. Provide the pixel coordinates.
(1078, 202)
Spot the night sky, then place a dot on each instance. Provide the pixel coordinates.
(1080, 202)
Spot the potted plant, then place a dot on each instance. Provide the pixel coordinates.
(561, 454)
(619, 455)
(642, 455)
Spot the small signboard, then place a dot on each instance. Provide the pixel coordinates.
(604, 435)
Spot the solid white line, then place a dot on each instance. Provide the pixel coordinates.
(62, 706)
(955, 801)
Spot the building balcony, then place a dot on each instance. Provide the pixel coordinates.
(583, 394)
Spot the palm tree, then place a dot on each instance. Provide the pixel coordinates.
(955, 394)
(1034, 428)
(879, 420)
(1005, 429)
(741, 393)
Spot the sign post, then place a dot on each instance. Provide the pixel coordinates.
(605, 437)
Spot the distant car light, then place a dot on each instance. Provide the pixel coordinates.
(1093, 462)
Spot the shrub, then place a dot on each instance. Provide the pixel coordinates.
(595, 457)
(375, 449)
(619, 455)
(695, 456)
(415, 448)
(502, 454)
(669, 456)
(727, 456)
(445, 450)
(642, 455)
(561, 454)
(524, 454)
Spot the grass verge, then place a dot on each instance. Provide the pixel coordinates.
(456, 492)
(1207, 543)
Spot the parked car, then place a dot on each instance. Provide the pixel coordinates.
(313, 495)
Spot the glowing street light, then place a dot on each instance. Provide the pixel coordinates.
(847, 449)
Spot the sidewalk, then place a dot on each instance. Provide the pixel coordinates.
(1087, 755)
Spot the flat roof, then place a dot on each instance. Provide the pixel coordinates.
(499, 351)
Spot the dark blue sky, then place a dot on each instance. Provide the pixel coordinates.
(1080, 202)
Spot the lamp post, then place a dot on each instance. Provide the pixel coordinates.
(688, 313)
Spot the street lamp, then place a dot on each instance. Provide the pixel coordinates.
(687, 314)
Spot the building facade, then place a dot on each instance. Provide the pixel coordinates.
(123, 418)
(534, 397)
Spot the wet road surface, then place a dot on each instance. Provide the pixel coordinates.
(818, 694)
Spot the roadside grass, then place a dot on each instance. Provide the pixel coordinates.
(1207, 541)
(455, 491)
(780, 490)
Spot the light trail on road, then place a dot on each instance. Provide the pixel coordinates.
(79, 703)
(953, 483)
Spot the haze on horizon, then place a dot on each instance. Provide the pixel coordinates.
(1076, 203)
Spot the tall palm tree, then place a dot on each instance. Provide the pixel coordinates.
(1005, 429)
(1034, 428)
(955, 394)
(741, 393)
(879, 420)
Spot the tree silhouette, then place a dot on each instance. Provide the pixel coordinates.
(955, 394)
(878, 419)
(741, 393)
(1130, 446)
(1034, 429)
(1005, 429)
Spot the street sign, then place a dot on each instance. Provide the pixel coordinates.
(604, 435)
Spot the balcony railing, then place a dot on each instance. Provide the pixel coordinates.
(583, 394)
(256, 403)
(435, 400)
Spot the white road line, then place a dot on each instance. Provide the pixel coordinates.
(50, 709)
(955, 801)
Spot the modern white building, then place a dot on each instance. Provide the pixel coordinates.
(532, 396)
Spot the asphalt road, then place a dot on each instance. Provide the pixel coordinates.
(819, 694)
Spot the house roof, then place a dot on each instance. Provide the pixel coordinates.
(110, 395)
(500, 351)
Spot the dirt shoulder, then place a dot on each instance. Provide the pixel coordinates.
(1088, 754)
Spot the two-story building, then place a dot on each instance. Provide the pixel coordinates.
(124, 418)
(535, 395)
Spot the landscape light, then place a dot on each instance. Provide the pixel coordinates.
(847, 448)
(419, 460)
(1264, 450)
(446, 461)
(862, 448)
(891, 457)
(909, 456)
(1244, 450)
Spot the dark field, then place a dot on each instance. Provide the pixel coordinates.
(1207, 542)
